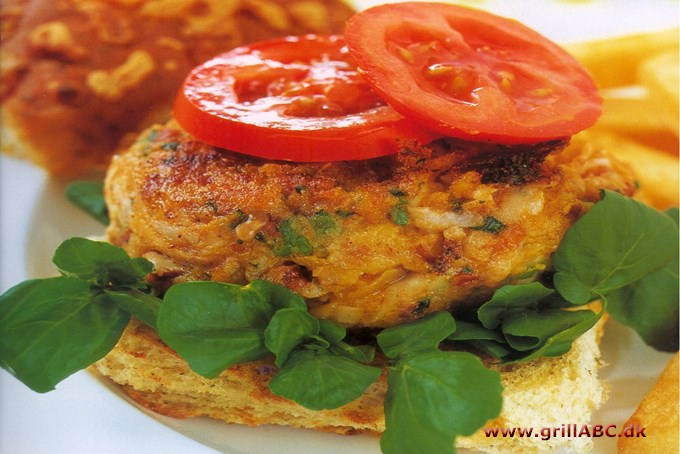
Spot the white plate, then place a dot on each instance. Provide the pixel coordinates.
(84, 416)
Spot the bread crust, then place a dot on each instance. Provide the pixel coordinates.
(78, 76)
(155, 377)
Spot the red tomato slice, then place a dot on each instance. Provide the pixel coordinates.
(470, 74)
(298, 98)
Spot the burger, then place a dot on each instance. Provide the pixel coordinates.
(392, 231)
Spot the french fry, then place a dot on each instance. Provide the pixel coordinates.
(651, 122)
(639, 77)
(613, 62)
(633, 114)
(659, 75)
(657, 415)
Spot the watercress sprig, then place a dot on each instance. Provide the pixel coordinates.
(433, 396)
(89, 197)
(650, 305)
(51, 328)
(618, 242)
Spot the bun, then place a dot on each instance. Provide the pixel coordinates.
(544, 393)
(79, 76)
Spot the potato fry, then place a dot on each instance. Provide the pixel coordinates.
(629, 114)
(662, 72)
(639, 76)
(613, 62)
(648, 121)
(660, 76)
(658, 415)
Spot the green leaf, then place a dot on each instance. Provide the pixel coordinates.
(473, 331)
(332, 332)
(320, 381)
(489, 341)
(100, 262)
(561, 342)
(214, 325)
(288, 329)
(360, 353)
(278, 296)
(495, 349)
(532, 329)
(323, 223)
(511, 298)
(434, 397)
(89, 197)
(423, 335)
(335, 333)
(399, 213)
(650, 305)
(617, 242)
(292, 241)
(51, 328)
(143, 306)
(491, 225)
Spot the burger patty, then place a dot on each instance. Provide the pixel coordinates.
(369, 243)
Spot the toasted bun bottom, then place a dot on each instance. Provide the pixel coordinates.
(545, 393)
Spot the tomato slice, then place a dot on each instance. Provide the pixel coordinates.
(298, 98)
(471, 74)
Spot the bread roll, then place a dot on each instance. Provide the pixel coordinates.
(543, 393)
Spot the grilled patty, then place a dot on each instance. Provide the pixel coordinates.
(368, 243)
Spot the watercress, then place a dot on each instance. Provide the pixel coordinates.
(51, 328)
(616, 243)
(650, 305)
(319, 380)
(213, 325)
(88, 196)
(433, 396)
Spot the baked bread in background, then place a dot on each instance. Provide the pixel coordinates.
(79, 76)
